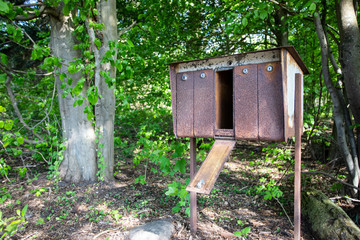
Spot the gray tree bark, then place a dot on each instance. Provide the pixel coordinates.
(79, 162)
(350, 52)
(105, 107)
(338, 112)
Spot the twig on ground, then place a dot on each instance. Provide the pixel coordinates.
(107, 231)
(284, 211)
(328, 175)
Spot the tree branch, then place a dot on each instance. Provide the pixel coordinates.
(328, 175)
(14, 104)
(31, 15)
(126, 29)
(338, 111)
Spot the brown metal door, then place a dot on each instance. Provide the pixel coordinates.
(271, 109)
(204, 103)
(246, 102)
(185, 104)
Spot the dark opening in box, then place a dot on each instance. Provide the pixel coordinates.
(224, 99)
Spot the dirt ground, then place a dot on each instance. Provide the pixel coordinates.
(59, 210)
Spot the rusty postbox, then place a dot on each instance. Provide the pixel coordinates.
(248, 96)
(243, 96)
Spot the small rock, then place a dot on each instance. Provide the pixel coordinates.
(157, 230)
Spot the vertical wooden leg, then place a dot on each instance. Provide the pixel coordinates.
(193, 203)
(298, 129)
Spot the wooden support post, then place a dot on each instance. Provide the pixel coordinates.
(298, 130)
(193, 204)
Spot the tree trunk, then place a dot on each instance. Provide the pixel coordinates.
(105, 107)
(281, 27)
(327, 220)
(346, 11)
(338, 112)
(80, 155)
(350, 53)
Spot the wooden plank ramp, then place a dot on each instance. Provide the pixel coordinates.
(210, 169)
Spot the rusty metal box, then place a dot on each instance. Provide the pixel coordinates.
(243, 96)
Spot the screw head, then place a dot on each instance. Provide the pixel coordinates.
(184, 77)
(269, 68)
(245, 71)
(202, 75)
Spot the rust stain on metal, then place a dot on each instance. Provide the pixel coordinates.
(224, 132)
(173, 95)
(245, 102)
(205, 178)
(270, 98)
(193, 203)
(184, 104)
(298, 130)
(203, 103)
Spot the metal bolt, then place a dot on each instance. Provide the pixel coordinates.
(202, 75)
(245, 71)
(269, 68)
(200, 183)
(184, 77)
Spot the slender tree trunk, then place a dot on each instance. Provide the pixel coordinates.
(80, 155)
(350, 53)
(346, 11)
(281, 27)
(338, 112)
(105, 107)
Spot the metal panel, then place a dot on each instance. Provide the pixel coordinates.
(193, 203)
(263, 56)
(173, 95)
(211, 167)
(246, 102)
(284, 54)
(184, 104)
(204, 103)
(271, 109)
(298, 129)
(292, 68)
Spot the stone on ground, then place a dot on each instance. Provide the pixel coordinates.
(157, 230)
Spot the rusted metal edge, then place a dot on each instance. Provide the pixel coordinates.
(297, 181)
(193, 202)
(290, 49)
(205, 178)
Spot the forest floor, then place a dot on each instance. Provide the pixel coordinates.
(57, 210)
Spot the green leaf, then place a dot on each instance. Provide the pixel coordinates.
(92, 96)
(3, 78)
(73, 68)
(79, 86)
(237, 234)
(312, 7)
(4, 59)
(246, 230)
(263, 15)
(2, 124)
(2, 109)
(130, 43)
(8, 125)
(4, 8)
(23, 212)
(172, 191)
(39, 221)
(20, 140)
(66, 10)
(180, 165)
(244, 21)
(97, 43)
